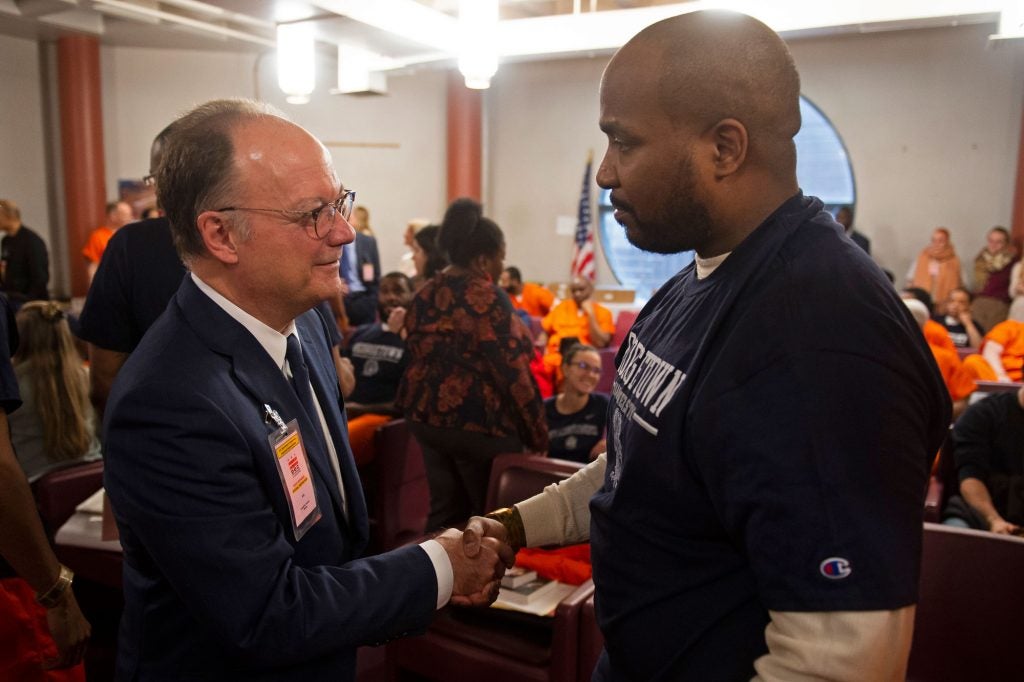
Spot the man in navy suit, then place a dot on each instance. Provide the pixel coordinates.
(360, 269)
(227, 458)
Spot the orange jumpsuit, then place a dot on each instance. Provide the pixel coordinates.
(97, 244)
(959, 382)
(535, 300)
(568, 319)
(1009, 335)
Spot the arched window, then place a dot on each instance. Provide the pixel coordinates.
(823, 170)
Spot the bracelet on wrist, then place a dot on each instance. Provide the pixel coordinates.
(513, 523)
(55, 595)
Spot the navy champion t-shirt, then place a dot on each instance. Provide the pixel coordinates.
(769, 441)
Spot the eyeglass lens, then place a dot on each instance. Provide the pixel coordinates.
(323, 220)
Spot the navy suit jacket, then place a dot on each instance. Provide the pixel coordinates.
(366, 252)
(216, 586)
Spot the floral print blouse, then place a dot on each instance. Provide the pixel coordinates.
(469, 362)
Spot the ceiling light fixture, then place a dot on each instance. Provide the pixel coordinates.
(478, 50)
(296, 61)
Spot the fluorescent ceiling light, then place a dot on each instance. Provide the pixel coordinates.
(296, 61)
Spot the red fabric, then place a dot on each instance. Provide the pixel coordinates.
(25, 640)
(570, 565)
(539, 370)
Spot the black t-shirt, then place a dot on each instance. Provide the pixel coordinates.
(138, 275)
(572, 436)
(988, 444)
(26, 266)
(769, 443)
(379, 359)
(10, 398)
(957, 331)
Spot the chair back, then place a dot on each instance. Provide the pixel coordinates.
(59, 491)
(517, 476)
(604, 384)
(401, 494)
(623, 323)
(970, 609)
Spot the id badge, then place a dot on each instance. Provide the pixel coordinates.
(296, 477)
(367, 272)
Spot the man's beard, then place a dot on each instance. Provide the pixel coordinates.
(682, 223)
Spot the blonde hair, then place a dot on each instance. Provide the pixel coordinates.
(60, 385)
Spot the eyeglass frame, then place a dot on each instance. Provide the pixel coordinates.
(586, 367)
(347, 198)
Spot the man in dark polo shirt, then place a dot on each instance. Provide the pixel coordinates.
(24, 263)
(137, 276)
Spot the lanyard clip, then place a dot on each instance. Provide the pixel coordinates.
(270, 416)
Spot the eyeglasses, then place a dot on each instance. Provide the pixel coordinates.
(321, 218)
(587, 368)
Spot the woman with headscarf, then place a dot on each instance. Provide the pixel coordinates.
(937, 270)
(992, 269)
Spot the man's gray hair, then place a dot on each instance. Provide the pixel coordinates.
(197, 170)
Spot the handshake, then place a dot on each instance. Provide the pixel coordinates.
(479, 555)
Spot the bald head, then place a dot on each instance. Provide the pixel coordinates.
(709, 66)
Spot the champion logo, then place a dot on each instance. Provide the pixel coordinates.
(835, 568)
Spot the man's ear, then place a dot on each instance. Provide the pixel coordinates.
(217, 235)
(731, 143)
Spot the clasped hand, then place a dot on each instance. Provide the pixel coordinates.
(478, 562)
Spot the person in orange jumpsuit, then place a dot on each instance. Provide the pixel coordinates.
(1002, 354)
(959, 381)
(533, 299)
(580, 318)
(119, 214)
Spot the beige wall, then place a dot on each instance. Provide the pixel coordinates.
(931, 120)
(23, 172)
(397, 182)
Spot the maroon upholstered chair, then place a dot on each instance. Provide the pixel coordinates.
(604, 384)
(970, 611)
(60, 490)
(495, 645)
(623, 322)
(591, 641)
(397, 490)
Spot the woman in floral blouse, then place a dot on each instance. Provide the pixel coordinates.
(468, 393)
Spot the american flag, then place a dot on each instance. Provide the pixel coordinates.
(583, 250)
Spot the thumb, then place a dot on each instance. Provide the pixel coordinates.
(471, 541)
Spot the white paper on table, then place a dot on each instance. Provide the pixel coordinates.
(544, 606)
(92, 504)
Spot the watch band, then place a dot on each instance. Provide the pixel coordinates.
(55, 595)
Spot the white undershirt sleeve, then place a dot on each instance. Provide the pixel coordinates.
(560, 514)
(837, 645)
